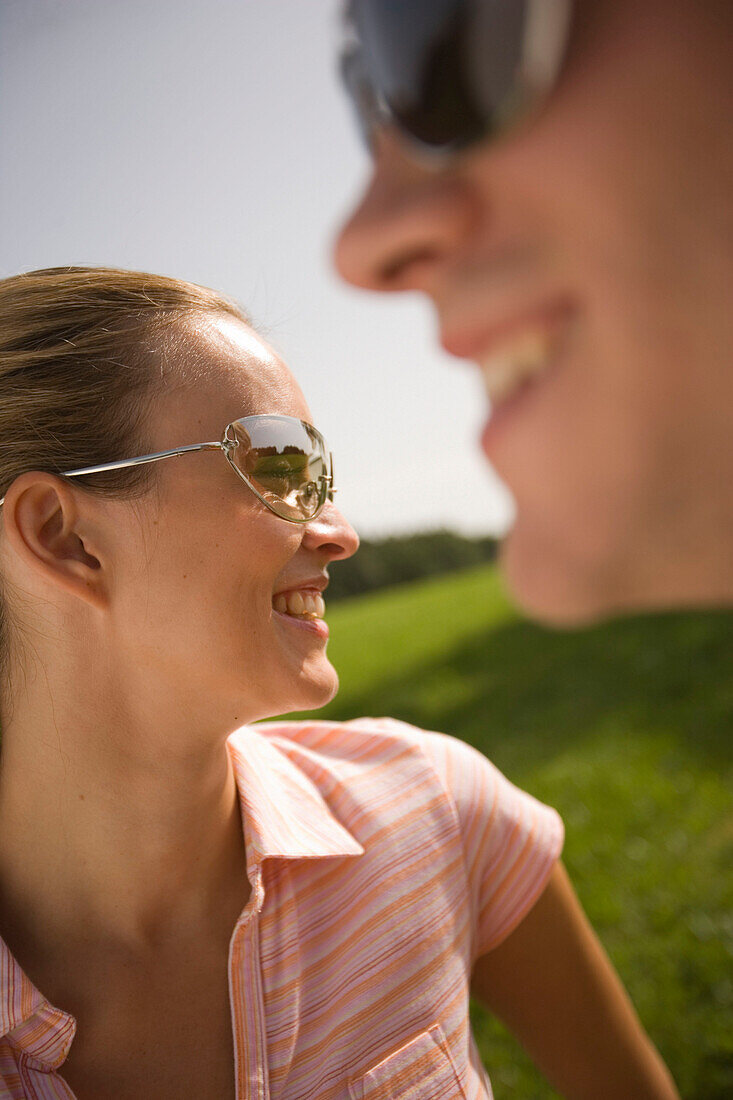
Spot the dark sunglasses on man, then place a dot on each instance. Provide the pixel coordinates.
(446, 73)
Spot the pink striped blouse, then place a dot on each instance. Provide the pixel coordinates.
(384, 860)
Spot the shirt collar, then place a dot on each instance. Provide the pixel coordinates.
(284, 816)
(28, 1020)
(283, 812)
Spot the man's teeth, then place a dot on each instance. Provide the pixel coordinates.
(304, 604)
(506, 368)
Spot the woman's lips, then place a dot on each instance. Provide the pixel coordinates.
(307, 602)
(302, 607)
(315, 626)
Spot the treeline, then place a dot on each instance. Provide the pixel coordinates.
(380, 563)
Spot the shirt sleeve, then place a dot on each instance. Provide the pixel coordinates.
(511, 841)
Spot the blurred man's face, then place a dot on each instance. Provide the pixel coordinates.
(592, 248)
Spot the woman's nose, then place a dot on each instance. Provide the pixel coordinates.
(331, 534)
(409, 220)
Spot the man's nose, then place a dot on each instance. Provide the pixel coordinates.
(409, 221)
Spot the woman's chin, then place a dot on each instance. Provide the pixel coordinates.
(321, 689)
(313, 690)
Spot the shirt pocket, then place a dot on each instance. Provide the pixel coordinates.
(420, 1070)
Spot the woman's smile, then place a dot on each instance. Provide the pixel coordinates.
(303, 606)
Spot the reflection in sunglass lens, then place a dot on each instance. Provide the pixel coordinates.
(285, 460)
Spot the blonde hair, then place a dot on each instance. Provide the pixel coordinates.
(82, 355)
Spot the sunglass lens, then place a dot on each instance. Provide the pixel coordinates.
(285, 460)
(415, 54)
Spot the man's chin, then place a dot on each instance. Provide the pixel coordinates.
(552, 590)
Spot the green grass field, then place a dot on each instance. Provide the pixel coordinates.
(628, 730)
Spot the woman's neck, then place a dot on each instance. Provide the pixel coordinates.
(118, 815)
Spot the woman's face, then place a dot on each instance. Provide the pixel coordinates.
(201, 571)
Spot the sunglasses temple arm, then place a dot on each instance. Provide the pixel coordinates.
(156, 457)
(139, 461)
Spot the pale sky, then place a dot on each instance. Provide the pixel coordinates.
(209, 140)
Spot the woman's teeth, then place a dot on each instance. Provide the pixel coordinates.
(507, 367)
(304, 604)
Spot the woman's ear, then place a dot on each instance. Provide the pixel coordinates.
(51, 531)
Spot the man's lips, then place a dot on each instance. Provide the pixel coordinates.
(476, 338)
(519, 352)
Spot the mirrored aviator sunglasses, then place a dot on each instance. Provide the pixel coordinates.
(284, 461)
(447, 73)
